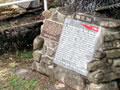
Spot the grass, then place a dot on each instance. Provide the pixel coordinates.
(10, 81)
(23, 54)
(16, 83)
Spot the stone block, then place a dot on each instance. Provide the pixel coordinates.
(47, 60)
(111, 45)
(44, 50)
(97, 64)
(71, 78)
(50, 52)
(35, 65)
(112, 36)
(38, 43)
(46, 69)
(37, 55)
(113, 53)
(43, 68)
(99, 55)
(102, 76)
(116, 62)
(50, 44)
(104, 86)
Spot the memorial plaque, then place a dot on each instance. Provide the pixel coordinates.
(52, 30)
(77, 45)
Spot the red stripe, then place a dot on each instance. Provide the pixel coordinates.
(94, 28)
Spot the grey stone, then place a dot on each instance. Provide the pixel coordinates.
(57, 15)
(116, 62)
(111, 45)
(38, 43)
(105, 86)
(110, 37)
(106, 75)
(97, 64)
(110, 24)
(50, 44)
(99, 55)
(107, 46)
(50, 52)
(60, 17)
(35, 65)
(44, 68)
(24, 73)
(117, 35)
(110, 61)
(47, 60)
(44, 50)
(113, 53)
(71, 78)
(116, 44)
(37, 55)
(96, 76)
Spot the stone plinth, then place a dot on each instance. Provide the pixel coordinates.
(103, 70)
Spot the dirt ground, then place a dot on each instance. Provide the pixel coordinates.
(16, 74)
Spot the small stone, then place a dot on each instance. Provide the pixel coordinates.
(47, 14)
(117, 35)
(111, 45)
(44, 50)
(70, 78)
(105, 75)
(110, 61)
(95, 65)
(35, 65)
(105, 86)
(43, 68)
(50, 52)
(107, 45)
(37, 55)
(38, 43)
(51, 44)
(110, 23)
(116, 44)
(96, 76)
(47, 60)
(99, 55)
(113, 53)
(109, 37)
(116, 62)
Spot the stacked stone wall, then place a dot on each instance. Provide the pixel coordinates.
(103, 70)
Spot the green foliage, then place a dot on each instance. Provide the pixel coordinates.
(16, 83)
(51, 4)
(23, 55)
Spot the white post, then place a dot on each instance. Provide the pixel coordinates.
(45, 5)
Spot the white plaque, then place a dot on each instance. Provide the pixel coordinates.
(77, 45)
